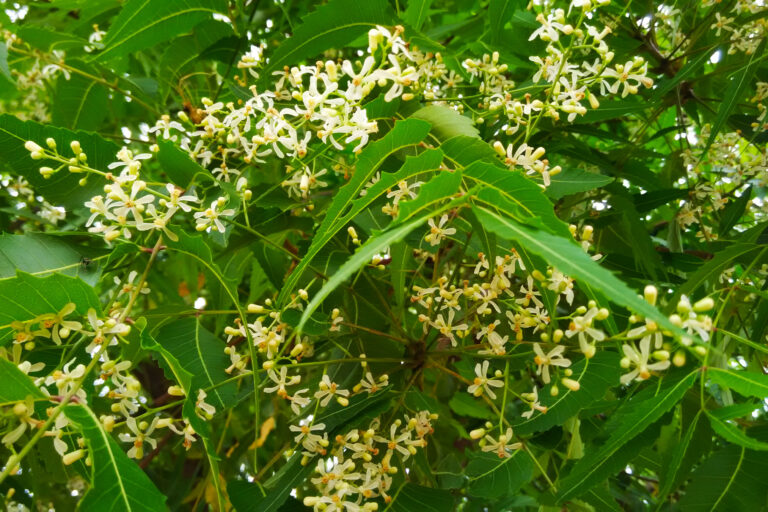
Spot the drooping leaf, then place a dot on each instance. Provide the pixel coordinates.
(573, 181)
(492, 477)
(15, 384)
(734, 434)
(416, 497)
(25, 297)
(738, 85)
(570, 258)
(144, 23)
(365, 253)
(595, 377)
(743, 382)
(731, 479)
(179, 167)
(499, 13)
(643, 414)
(403, 134)
(202, 355)
(417, 12)
(62, 188)
(324, 29)
(81, 101)
(734, 211)
(40, 255)
(117, 482)
(517, 196)
(446, 122)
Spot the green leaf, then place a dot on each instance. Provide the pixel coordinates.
(365, 253)
(326, 28)
(515, 195)
(743, 382)
(80, 102)
(642, 415)
(465, 150)
(39, 255)
(737, 87)
(571, 259)
(412, 497)
(692, 66)
(492, 477)
(403, 134)
(613, 109)
(4, 70)
(731, 479)
(144, 23)
(441, 186)
(15, 384)
(292, 474)
(25, 297)
(446, 122)
(201, 354)
(595, 377)
(179, 167)
(733, 434)
(712, 269)
(63, 188)
(734, 211)
(499, 13)
(48, 40)
(117, 483)
(672, 471)
(573, 181)
(186, 50)
(416, 13)
(465, 404)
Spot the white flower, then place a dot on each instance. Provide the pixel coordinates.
(437, 232)
(330, 389)
(639, 360)
(141, 433)
(503, 447)
(553, 358)
(482, 383)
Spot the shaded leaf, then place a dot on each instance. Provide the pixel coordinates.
(492, 477)
(324, 29)
(571, 259)
(117, 482)
(26, 297)
(446, 122)
(403, 134)
(15, 384)
(144, 23)
(39, 255)
(586, 472)
(416, 497)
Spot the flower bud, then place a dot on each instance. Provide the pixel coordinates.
(571, 384)
(32, 147)
(256, 308)
(175, 391)
(705, 304)
(71, 457)
(651, 294)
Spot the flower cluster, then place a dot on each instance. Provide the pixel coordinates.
(359, 465)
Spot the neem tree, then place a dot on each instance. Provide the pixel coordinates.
(368, 255)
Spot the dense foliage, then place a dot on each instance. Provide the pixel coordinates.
(383, 255)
